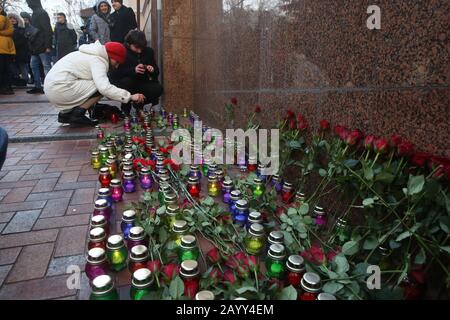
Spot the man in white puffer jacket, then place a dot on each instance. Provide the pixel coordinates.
(80, 79)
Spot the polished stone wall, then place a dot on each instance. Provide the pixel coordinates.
(316, 57)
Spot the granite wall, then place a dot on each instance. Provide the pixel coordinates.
(316, 57)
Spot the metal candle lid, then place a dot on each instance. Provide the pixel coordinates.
(341, 222)
(172, 209)
(189, 269)
(235, 195)
(311, 282)
(104, 192)
(115, 183)
(115, 242)
(288, 186)
(145, 171)
(219, 174)
(241, 204)
(129, 216)
(139, 253)
(204, 295)
(228, 183)
(300, 195)
(103, 149)
(95, 153)
(326, 297)
(213, 178)
(258, 181)
(276, 237)
(256, 230)
(188, 242)
(195, 168)
(277, 252)
(193, 180)
(96, 256)
(276, 177)
(252, 160)
(104, 171)
(255, 217)
(296, 263)
(170, 198)
(180, 226)
(102, 285)
(142, 278)
(137, 233)
(97, 235)
(128, 175)
(98, 222)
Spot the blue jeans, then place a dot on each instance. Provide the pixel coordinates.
(20, 70)
(3, 146)
(46, 60)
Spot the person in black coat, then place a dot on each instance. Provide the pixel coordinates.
(40, 43)
(19, 68)
(123, 20)
(84, 37)
(65, 37)
(139, 73)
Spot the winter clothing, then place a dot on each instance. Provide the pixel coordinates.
(66, 39)
(123, 21)
(84, 39)
(42, 40)
(6, 36)
(3, 146)
(45, 59)
(79, 75)
(116, 51)
(20, 41)
(99, 26)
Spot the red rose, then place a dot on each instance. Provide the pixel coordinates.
(396, 140)
(324, 125)
(381, 145)
(447, 171)
(234, 101)
(170, 270)
(154, 266)
(213, 255)
(292, 124)
(405, 149)
(225, 218)
(215, 275)
(369, 141)
(231, 262)
(315, 254)
(258, 109)
(280, 211)
(354, 137)
(252, 262)
(342, 132)
(302, 125)
(300, 118)
(229, 276)
(290, 114)
(420, 159)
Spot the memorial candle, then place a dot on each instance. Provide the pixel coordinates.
(227, 187)
(105, 194)
(275, 264)
(117, 253)
(97, 239)
(311, 286)
(136, 237)
(287, 193)
(128, 222)
(95, 160)
(129, 184)
(193, 187)
(188, 249)
(213, 186)
(241, 213)
(146, 179)
(172, 215)
(320, 217)
(103, 288)
(255, 239)
(189, 273)
(139, 257)
(101, 208)
(99, 222)
(116, 190)
(141, 284)
(96, 264)
(258, 188)
(105, 177)
(104, 154)
(295, 266)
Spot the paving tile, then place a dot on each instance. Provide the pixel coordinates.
(37, 168)
(32, 263)
(92, 177)
(6, 216)
(71, 242)
(22, 206)
(55, 208)
(40, 176)
(50, 195)
(18, 184)
(40, 289)
(17, 195)
(58, 266)
(9, 256)
(75, 185)
(60, 222)
(80, 209)
(45, 185)
(13, 176)
(27, 238)
(23, 221)
(4, 270)
(83, 196)
(85, 288)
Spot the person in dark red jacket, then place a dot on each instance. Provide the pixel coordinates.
(140, 71)
(123, 20)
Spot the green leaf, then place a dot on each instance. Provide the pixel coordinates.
(304, 209)
(292, 212)
(370, 243)
(295, 144)
(421, 257)
(446, 249)
(208, 202)
(444, 223)
(332, 287)
(368, 203)
(341, 263)
(351, 163)
(350, 248)
(368, 173)
(245, 289)
(323, 173)
(385, 177)
(403, 236)
(176, 288)
(415, 184)
(161, 210)
(288, 293)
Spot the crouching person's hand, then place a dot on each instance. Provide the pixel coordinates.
(139, 98)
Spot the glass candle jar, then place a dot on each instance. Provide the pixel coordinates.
(129, 184)
(101, 209)
(195, 172)
(295, 266)
(104, 154)
(103, 288)
(241, 213)
(163, 189)
(277, 184)
(213, 186)
(100, 133)
(137, 237)
(146, 179)
(258, 188)
(220, 175)
(139, 257)
(287, 193)
(204, 296)
(342, 231)
(205, 167)
(99, 222)
(311, 286)
(105, 194)
(116, 190)
(320, 217)
(97, 239)
(126, 123)
(235, 195)
(227, 187)
(172, 215)
(260, 174)
(180, 229)
(326, 297)
(170, 198)
(275, 237)
(117, 253)
(275, 264)
(255, 240)
(141, 284)
(189, 273)
(188, 249)
(254, 217)
(194, 187)
(96, 264)
(252, 165)
(300, 198)
(113, 168)
(95, 160)
(128, 222)
(105, 177)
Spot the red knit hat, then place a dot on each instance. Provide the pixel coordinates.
(116, 51)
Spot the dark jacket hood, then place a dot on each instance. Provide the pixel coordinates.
(97, 6)
(34, 4)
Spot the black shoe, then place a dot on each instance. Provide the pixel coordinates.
(36, 91)
(64, 117)
(6, 91)
(78, 117)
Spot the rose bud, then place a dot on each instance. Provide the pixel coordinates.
(292, 124)
(213, 255)
(215, 275)
(405, 149)
(234, 100)
(258, 109)
(369, 141)
(354, 137)
(396, 140)
(229, 276)
(252, 262)
(154, 266)
(381, 145)
(420, 159)
(170, 270)
(324, 125)
(302, 126)
(290, 114)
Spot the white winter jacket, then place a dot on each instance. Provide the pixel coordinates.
(77, 76)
